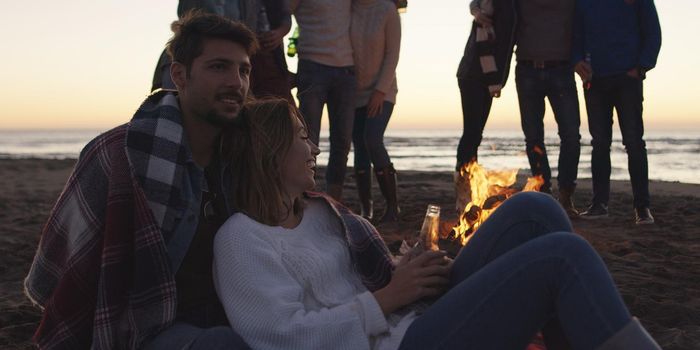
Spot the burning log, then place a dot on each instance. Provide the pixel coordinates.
(488, 190)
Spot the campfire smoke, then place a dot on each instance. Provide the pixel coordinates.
(489, 188)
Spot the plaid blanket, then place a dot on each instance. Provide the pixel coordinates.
(369, 253)
(101, 272)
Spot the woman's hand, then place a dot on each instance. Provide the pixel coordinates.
(376, 101)
(482, 18)
(415, 277)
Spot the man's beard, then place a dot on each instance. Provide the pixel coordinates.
(218, 120)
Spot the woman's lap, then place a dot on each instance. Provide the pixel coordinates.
(501, 306)
(521, 218)
(522, 270)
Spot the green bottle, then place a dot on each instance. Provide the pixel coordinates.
(292, 46)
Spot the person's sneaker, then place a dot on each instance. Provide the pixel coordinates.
(595, 211)
(642, 216)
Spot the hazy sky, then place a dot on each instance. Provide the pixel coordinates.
(89, 63)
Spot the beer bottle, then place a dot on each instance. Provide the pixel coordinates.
(428, 237)
(292, 46)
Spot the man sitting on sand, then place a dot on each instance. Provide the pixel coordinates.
(125, 257)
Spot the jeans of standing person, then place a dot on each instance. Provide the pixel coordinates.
(476, 105)
(317, 85)
(625, 95)
(558, 85)
(368, 138)
(522, 272)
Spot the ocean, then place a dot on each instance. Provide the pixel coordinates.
(673, 155)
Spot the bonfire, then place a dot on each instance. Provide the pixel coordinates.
(488, 189)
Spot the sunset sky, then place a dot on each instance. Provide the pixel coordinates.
(89, 63)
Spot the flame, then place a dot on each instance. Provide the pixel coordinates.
(489, 188)
(534, 183)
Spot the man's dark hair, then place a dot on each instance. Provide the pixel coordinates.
(195, 26)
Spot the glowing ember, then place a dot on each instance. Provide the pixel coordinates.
(489, 189)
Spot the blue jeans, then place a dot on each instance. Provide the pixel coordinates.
(317, 85)
(185, 336)
(476, 105)
(523, 271)
(368, 138)
(558, 85)
(625, 94)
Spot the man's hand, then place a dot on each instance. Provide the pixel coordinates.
(271, 39)
(376, 101)
(415, 277)
(584, 70)
(634, 73)
(481, 17)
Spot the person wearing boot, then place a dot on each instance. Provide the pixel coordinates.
(375, 33)
(544, 71)
(482, 73)
(326, 77)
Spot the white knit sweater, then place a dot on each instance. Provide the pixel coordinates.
(375, 32)
(296, 288)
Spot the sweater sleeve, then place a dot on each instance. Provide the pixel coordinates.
(264, 302)
(650, 31)
(392, 31)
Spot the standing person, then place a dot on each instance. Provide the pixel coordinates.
(270, 77)
(125, 258)
(295, 270)
(326, 76)
(376, 40)
(482, 73)
(615, 44)
(271, 21)
(544, 70)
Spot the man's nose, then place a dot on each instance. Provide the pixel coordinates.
(234, 79)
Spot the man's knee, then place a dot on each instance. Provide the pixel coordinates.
(601, 143)
(634, 144)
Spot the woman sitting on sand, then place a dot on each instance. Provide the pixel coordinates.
(296, 270)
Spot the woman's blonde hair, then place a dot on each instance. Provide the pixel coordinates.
(256, 146)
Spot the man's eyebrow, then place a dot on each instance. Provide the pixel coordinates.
(219, 60)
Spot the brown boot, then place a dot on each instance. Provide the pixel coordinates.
(386, 178)
(462, 191)
(363, 179)
(566, 199)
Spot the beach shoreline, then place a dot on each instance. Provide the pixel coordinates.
(656, 267)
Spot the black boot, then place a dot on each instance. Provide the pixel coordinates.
(386, 178)
(566, 199)
(363, 179)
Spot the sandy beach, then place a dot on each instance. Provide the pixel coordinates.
(657, 267)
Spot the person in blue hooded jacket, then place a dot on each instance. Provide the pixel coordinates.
(616, 42)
